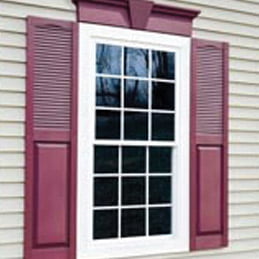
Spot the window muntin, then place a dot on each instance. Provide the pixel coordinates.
(133, 242)
(134, 104)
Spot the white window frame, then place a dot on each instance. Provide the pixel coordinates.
(89, 35)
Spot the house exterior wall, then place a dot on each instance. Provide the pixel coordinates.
(235, 21)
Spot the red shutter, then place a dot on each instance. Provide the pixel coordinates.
(209, 145)
(51, 139)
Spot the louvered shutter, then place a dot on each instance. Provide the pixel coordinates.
(50, 139)
(209, 144)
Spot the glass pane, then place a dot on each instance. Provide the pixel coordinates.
(106, 159)
(136, 62)
(136, 94)
(105, 224)
(159, 221)
(159, 189)
(133, 159)
(163, 65)
(136, 125)
(160, 159)
(106, 191)
(162, 96)
(133, 222)
(107, 92)
(108, 59)
(162, 126)
(107, 125)
(133, 190)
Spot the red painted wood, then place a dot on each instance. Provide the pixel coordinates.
(51, 139)
(52, 192)
(137, 14)
(209, 187)
(209, 145)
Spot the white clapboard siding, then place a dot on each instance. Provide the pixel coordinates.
(11, 220)
(234, 21)
(12, 175)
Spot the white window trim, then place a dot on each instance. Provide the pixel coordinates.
(87, 248)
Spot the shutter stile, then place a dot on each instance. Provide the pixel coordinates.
(51, 128)
(209, 145)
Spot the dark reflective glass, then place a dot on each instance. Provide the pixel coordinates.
(133, 190)
(107, 92)
(105, 159)
(105, 224)
(136, 125)
(162, 96)
(133, 159)
(162, 126)
(136, 62)
(163, 65)
(159, 221)
(106, 191)
(107, 125)
(136, 94)
(159, 189)
(108, 59)
(133, 222)
(160, 159)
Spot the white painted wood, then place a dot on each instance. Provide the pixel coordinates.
(12, 84)
(12, 175)
(89, 36)
(8, 236)
(12, 54)
(8, 144)
(245, 195)
(11, 220)
(11, 205)
(11, 251)
(12, 129)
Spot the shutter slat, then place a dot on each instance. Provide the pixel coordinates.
(209, 116)
(51, 139)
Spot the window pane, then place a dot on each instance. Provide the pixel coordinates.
(108, 59)
(136, 125)
(136, 94)
(163, 65)
(162, 96)
(133, 159)
(162, 126)
(159, 189)
(107, 92)
(133, 222)
(105, 224)
(133, 190)
(160, 159)
(136, 62)
(107, 125)
(159, 221)
(106, 191)
(106, 159)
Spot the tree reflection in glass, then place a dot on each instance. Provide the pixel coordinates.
(108, 59)
(107, 92)
(163, 65)
(136, 94)
(136, 62)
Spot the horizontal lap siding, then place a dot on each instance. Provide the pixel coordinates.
(236, 22)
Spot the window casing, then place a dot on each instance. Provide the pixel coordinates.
(91, 245)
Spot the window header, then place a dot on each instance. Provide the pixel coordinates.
(137, 14)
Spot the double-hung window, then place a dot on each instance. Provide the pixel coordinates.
(133, 152)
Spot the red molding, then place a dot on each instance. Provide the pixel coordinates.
(137, 14)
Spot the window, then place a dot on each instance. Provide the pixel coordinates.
(133, 184)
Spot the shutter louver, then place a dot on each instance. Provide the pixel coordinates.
(209, 142)
(50, 139)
